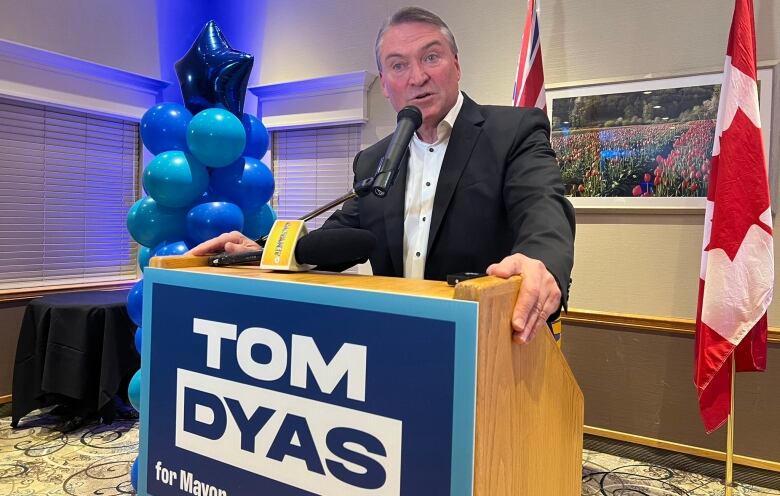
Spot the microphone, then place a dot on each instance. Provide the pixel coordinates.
(332, 249)
(409, 119)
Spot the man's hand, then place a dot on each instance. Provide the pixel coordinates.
(538, 298)
(232, 242)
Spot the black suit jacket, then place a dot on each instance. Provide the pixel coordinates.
(499, 192)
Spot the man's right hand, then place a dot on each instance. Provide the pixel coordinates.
(232, 242)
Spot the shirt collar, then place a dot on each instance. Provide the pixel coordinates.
(444, 129)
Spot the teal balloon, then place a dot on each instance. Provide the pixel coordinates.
(134, 391)
(135, 302)
(150, 223)
(257, 223)
(175, 179)
(138, 338)
(256, 136)
(216, 137)
(247, 182)
(209, 220)
(164, 127)
(144, 254)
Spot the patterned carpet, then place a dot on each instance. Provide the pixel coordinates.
(609, 475)
(37, 459)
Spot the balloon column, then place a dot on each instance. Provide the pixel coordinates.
(206, 177)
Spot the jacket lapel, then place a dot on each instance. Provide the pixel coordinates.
(394, 216)
(464, 135)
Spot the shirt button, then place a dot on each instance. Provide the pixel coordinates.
(427, 183)
(430, 149)
(424, 219)
(417, 254)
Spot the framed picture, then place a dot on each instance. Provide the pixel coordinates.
(642, 144)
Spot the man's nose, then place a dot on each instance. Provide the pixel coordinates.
(418, 76)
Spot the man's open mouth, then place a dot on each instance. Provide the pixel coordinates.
(422, 96)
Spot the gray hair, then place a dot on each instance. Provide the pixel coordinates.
(408, 15)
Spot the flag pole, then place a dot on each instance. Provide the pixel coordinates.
(729, 483)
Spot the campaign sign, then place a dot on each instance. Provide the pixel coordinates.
(260, 387)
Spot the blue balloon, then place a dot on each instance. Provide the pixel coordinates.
(177, 248)
(208, 220)
(138, 339)
(247, 182)
(256, 136)
(150, 223)
(135, 301)
(164, 127)
(145, 254)
(216, 137)
(175, 179)
(134, 391)
(134, 475)
(212, 74)
(212, 196)
(257, 223)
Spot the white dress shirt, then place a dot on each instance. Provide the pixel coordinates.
(425, 161)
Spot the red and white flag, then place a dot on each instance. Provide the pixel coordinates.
(737, 265)
(529, 80)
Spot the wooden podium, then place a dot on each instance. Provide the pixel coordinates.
(528, 407)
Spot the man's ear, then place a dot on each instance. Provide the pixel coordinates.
(382, 83)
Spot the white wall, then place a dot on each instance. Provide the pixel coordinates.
(632, 263)
(120, 34)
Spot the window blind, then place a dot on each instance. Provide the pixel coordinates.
(312, 166)
(67, 180)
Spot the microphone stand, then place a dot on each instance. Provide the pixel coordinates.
(361, 189)
(409, 120)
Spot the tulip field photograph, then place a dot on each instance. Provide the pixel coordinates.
(640, 144)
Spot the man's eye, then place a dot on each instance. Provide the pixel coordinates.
(397, 67)
(432, 57)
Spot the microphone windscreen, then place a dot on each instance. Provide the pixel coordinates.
(410, 112)
(335, 247)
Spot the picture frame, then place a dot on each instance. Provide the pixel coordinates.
(655, 156)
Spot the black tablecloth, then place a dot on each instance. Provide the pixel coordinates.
(74, 347)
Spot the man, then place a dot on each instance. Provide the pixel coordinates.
(479, 184)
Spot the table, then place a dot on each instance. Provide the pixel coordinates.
(74, 346)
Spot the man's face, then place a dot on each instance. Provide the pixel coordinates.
(419, 68)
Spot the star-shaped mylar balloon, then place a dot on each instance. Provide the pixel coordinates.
(212, 74)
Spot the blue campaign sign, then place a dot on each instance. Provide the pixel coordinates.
(268, 387)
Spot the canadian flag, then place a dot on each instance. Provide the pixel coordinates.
(737, 264)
